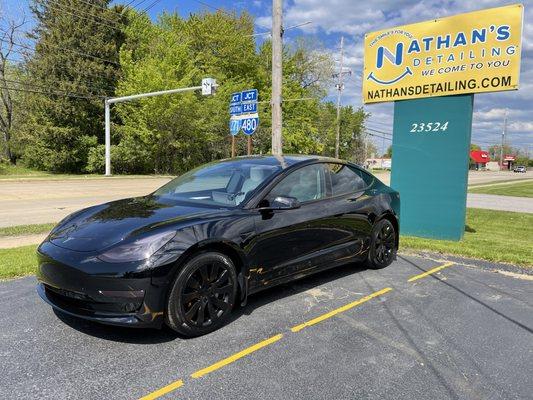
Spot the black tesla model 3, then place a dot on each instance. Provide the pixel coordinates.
(187, 253)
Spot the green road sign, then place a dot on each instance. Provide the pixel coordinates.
(430, 148)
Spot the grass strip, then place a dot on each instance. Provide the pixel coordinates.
(498, 236)
(20, 230)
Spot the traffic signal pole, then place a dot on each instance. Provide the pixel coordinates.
(207, 87)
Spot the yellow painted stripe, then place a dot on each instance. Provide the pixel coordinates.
(163, 390)
(431, 271)
(330, 314)
(236, 356)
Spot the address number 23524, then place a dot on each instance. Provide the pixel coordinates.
(429, 127)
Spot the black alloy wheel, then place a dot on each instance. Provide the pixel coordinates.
(203, 294)
(383, 246)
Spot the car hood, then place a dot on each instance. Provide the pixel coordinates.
(96, 228)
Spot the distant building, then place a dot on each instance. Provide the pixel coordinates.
(508, 161)
(479, 159)
(493, 166)
(383, 163)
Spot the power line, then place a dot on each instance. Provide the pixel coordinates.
(56, 4)
(380, 123)
(66, 49)
(284, 29)
(214, 8)
(110, 9)
(33, 85)
(88, 19)
(379, 136)
(150, 6)
(378, 131)
(64, 94)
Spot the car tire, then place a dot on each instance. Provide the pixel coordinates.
(383, 248)
(202, 295)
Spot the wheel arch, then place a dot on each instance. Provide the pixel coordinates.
(225, 247)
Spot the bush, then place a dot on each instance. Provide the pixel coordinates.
(126, 158)
(57, 149)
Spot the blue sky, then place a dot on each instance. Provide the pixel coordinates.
(331, 19)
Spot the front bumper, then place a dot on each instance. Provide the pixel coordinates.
(58, 302)
(78, 284)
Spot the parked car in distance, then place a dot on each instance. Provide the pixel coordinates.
(520, 168)
(186, 254)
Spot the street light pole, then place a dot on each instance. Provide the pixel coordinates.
(107, 138)
(277, 73)
(207, 87)
(503, 138)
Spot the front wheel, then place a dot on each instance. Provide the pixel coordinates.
(203, 294)
(383, 245)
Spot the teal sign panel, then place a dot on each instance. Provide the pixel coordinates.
(430, 150)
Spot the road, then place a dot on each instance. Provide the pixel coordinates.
(462, 332)
(503, 203)
(41, 201)
(476, 177)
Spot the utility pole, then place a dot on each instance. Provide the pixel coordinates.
(503, 138)
(340, 88)
(339, 93)
(277, 76)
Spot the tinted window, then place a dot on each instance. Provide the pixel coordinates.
(225, 183)
(304, 184)
(368, 178)
(344, 180)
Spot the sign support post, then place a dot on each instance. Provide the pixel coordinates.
(430, 164)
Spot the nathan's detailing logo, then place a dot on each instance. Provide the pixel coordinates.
(467, 53)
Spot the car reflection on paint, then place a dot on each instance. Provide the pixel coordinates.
(186, 254)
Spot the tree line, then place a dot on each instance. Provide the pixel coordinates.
(79, 52)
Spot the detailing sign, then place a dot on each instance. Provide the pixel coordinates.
(466, 53)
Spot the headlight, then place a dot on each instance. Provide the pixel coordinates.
(137, 250)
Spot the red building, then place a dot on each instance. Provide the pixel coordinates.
(480, 159)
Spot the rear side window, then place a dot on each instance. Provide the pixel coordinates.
(368, 178)
(344, 180)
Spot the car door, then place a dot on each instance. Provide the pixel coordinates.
(351, 207)
(289, 242)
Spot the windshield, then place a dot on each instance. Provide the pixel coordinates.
(225, 183)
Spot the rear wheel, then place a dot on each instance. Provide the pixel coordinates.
(203, 294)
(383, 245)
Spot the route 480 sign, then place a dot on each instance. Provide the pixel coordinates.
(243, 112)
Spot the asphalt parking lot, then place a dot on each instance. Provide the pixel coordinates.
(464, 330)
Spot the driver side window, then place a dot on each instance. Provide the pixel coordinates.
(305, 184)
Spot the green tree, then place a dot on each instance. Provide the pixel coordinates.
(174, 133)
(74, 66)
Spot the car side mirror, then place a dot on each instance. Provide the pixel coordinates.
(281, 203)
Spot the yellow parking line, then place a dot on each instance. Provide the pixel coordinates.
(236, 356)
(163, 390)
(243, 353)
(330, 314)
(431, 271)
